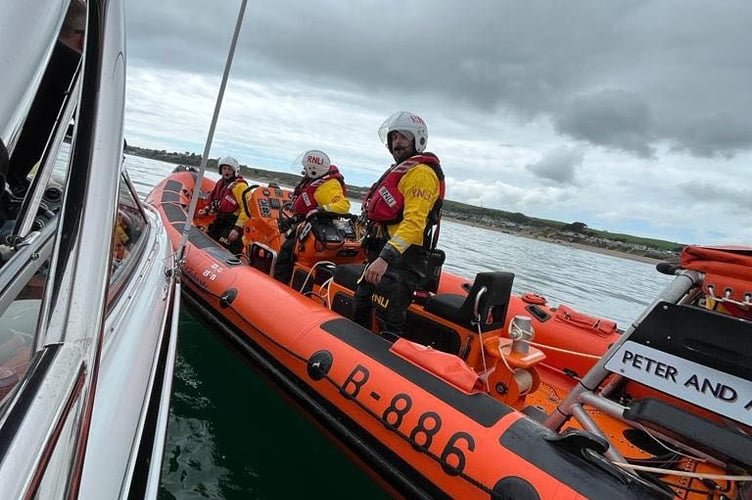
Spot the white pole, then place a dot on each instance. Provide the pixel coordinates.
(207, 146)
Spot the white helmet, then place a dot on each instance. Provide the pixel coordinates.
(408, 124)
(230, 162)
(315, 163)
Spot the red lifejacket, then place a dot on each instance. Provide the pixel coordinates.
(222, 198)
(302, 196)
(384, 202)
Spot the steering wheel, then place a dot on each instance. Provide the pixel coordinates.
(286, 217)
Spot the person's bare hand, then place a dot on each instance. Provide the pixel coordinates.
(375, 271)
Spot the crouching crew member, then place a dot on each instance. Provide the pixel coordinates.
(226, 202)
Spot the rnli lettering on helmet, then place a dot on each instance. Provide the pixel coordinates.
(387, 196)
(416, 119)
(315, 159)
(704, 386)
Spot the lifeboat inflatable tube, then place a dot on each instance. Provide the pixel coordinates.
(456, 409)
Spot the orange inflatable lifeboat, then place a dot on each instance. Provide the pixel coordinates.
(488, 394)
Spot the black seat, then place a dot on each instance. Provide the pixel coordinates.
(493, 290)
(347, 275)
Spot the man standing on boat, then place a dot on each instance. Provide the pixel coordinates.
(226, 201)
(321, 190)
(401, 212)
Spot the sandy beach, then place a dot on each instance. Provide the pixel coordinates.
(606, 251)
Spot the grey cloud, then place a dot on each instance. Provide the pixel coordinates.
(732, 196)
(716, 135)
(559, 166)
(611, 118)
(624, 75)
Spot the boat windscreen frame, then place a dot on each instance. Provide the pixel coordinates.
(33, 198)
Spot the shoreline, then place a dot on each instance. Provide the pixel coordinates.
(578, 246)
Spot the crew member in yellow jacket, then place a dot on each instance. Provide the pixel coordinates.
(321, 190)
(226, 201)
(401, 213)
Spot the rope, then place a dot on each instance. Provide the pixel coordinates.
(727, 297)
(514, 327)
(483, 356)
(506, 363)
(664, 445)
(591, 356)
(672, 472)
(310, 273)
(327, 295)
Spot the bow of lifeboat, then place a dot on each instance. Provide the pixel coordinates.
(488, 393)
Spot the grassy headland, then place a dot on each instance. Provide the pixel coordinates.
(566, 233)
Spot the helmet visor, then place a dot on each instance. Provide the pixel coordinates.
(408, 124)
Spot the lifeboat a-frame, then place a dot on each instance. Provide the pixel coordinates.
(469, 403)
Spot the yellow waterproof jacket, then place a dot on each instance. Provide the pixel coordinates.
(331, 198)
(420, 189)
(237, 191)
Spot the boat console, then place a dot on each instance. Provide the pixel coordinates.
(323, 240)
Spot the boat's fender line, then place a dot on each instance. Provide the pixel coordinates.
(320, 363)
(558, 463)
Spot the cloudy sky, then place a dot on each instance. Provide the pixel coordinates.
(630, 116)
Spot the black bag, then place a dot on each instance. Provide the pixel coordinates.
(326, 232)
(331, 230)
